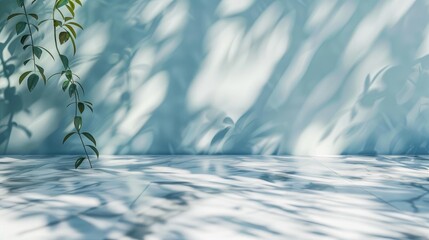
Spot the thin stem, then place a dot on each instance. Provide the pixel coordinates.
(55, 33)
(80, 135)
(76, 96)
(86, 153)
(31, 36)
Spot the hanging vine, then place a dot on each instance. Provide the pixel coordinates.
(64, 31)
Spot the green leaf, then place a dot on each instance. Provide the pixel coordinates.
(36, 27)
(23, 76)
(20, 2)
(71, 4)
(20, 27)
(14, 15)
(79, 162)
(42, 73)
(64, 37)
(61, 3)
(90, 137)
(43, 21)
(26, 46)
(78, 2)
(57, 23)
(72, 31)
(81, 87)
(78, 122)
(68, 19)
(37, 51)
(90, 108)
(46, 50)
(72, 89)
(71, 10)
(65, 85)
(68, 136)
(76, 24)
(65, 61)
(74, 44)
(81, 107)
(34, 16)
(32, 81)
(69, 74)
(26, 61)
(95, 150)
(24, 38)
(68, 105)
(61, 13)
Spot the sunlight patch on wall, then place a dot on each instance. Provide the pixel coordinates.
(424, 47)
(173, 20)
(135, 74)
(145, 99)
(321, 12)
(199, 132)
(154, 9)
(299, 65)
(92, 43)
(347, 122)
(142, 62)
(309, 143)
(239, 63)
(41, 122)
(142, 142)
(231, 7)
(383, 16)
(372, 63)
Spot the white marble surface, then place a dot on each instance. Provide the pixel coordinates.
(215, 197)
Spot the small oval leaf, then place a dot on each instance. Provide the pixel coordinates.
(34, 16)
(24, 38)
(95, 150)
(78, 122)
(69, 74)
(81, 107)
(61, 3)
(32, 81)
(68, 136)
(72, 89)
(37, 51)
(23, 76)
(20, 27)
(64, 37)
(90, 137)
(65, 61)
(20, 2)
(14, 15)
(65, 85)
(42, 73)
(79, 162)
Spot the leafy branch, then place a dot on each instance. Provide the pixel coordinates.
(27, 41)
(64, 29)
(71, 83)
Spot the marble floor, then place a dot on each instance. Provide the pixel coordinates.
(215, 197)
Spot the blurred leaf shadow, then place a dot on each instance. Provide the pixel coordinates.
(10, 101)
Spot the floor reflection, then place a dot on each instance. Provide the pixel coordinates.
(215, 197)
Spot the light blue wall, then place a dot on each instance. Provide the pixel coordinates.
(233, 77)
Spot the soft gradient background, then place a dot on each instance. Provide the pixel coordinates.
(232, 77)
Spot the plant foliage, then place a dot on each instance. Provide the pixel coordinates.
(65, 28)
